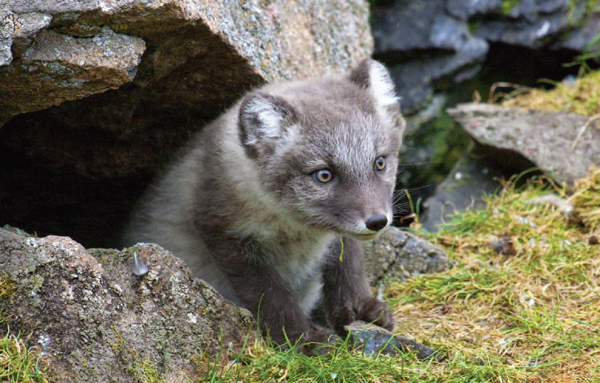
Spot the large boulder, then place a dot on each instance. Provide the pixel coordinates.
(133, 79)
(520, 138)
(81, 48)
(94, 320)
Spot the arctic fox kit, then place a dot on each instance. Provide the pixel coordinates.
(264, 198)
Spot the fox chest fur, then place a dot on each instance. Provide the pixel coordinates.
(260, 201)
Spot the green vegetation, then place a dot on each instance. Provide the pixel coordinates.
(528, 316)
(509, 5)
(18, 363)
(142, 370)
(582, 96)
(263, 363)
(444, 141)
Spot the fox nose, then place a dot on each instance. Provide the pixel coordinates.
(376, 222)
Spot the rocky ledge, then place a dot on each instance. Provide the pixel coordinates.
(94, 320)
(562, 145)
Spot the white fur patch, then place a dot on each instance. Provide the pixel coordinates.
(382, 86)
(269, 120)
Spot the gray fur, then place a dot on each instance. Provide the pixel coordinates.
(241, 198)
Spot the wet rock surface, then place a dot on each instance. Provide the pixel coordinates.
(519, 139)
(94, 320)
(397, 255)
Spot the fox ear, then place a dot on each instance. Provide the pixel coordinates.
(264, 117)
(374, 77)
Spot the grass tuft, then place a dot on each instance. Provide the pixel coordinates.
(582, 97)
(261, 361)
(18, 363)
(587, 199)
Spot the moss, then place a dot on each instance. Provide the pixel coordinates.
(8, 290)
(473, 26)
(7, 287)
(582, 96)
(141, 369)
(508, 6)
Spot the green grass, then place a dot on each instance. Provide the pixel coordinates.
(582, 97)
(262, 362)
(508, 6)
(18, 363)
(529, 317)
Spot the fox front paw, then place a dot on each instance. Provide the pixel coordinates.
(316, 342)
(373, 311)
(367, 309)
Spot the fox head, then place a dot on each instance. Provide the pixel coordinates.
(327, 149)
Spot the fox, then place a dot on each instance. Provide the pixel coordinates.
(270, 203)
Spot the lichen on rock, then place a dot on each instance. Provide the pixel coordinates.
(94, 320)
(397, 255)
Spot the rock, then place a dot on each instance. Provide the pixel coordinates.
(504, 245)
(580, 38)
(523, 33)
(415, 80)
(374, 339)
(267, 42)
(397, 255)
(517, 138)
(532, 23)
(406, 29)
(464, 9)
(58, 68)
(94, 320)
(471, 179)
(406, 26)
(98, 150)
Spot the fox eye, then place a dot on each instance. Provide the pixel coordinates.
(322, 176)
(380, 164)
